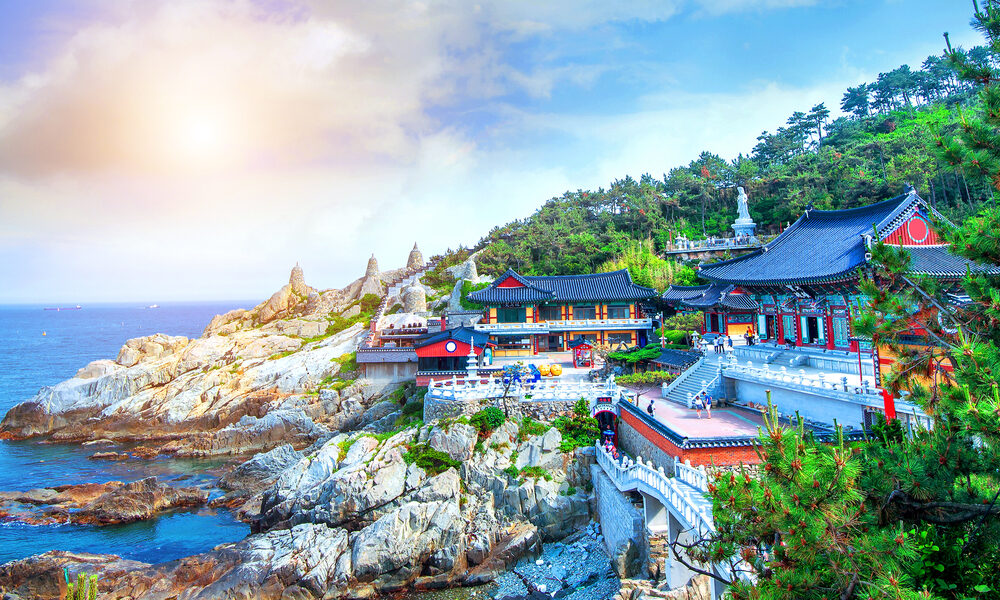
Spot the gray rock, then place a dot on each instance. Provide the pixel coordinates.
(260, 471)
(458, 441)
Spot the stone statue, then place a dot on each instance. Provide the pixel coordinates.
(744, 226)
(741, 204)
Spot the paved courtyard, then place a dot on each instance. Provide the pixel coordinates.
(725, 422)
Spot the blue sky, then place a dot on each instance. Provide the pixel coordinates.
(161, 151)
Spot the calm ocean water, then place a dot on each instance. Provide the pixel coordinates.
(30, 360)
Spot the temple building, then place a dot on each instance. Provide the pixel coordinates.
(447, 354)
(525, 315)
(801, 289)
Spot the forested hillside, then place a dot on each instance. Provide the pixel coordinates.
(890, 137)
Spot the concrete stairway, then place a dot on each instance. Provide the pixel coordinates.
(694, 380)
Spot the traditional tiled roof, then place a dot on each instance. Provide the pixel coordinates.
(462, 334)
(679, 359)
(684, 292)
(821, 246)
(708, 296)
(936, 261)
(600, 287)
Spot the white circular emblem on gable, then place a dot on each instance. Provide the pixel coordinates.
(451, 346)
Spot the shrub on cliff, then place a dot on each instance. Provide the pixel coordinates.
(487, 420)
(433, 461)
(579, 430)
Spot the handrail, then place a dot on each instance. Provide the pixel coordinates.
(676, 492)
(493, 387)
(565, 324)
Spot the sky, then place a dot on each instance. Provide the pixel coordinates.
(174, 150)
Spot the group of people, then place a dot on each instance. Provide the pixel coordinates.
(703, 401)
(611, 449)
(750, 336)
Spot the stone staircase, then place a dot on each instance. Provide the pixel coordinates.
(693, 381)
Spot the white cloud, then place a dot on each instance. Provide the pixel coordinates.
(719, 7)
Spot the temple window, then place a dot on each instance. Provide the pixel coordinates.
(511, 315)
(584, 312)
(618, 312)
(550, 313)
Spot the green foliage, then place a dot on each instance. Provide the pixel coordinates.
(535, 473)
(578, 430)
(348, 362)
(647, 268)
(530, 427)
(636, 355)
(85, 588)
(646, 378)
(345, 446)
(467, 288)
(511, 471)
(433, 461)
(570, 491)
(487, 419)
(369, 302)
(278, 355)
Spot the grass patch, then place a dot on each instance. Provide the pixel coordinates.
(345, 446)
(348, 362)
(278, 355)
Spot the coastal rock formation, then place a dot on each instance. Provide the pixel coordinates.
(357, 516)
(97, 504)
(247, 385)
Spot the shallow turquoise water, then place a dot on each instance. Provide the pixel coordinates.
(30, 360)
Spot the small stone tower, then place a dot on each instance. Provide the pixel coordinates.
(298, 281)
(416, 259)
(372, 270)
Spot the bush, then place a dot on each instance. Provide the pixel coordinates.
(579, 430)
(530, 427)
(675, 336)
(433, 461)
(487, 419)
(348, 362)
(413, 408)
(369, 303)
(536, 473)
(649, 377)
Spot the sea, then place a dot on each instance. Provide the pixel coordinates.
(41, 347)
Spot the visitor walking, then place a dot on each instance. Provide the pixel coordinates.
(708, 405)
(699, 404)
(729, 342)
(649, 408)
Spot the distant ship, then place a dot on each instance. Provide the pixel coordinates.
(77, 307)
(153, 306)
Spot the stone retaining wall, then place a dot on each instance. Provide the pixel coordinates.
(540, 410)
(622, 526)
(634, 443)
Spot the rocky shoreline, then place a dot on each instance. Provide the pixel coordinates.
(345, 497)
